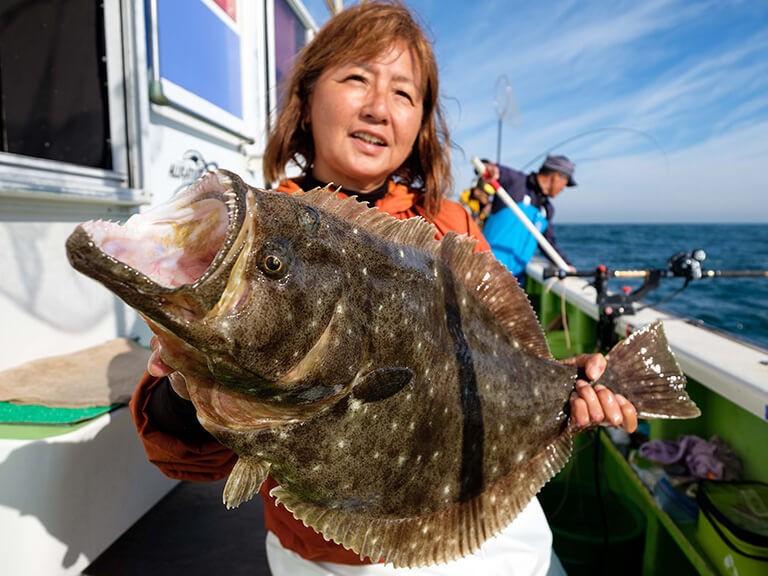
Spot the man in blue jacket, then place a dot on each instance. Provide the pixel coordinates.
(511, 242)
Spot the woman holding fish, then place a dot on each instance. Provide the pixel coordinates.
(361, 111)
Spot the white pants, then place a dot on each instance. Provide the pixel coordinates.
(523, 548)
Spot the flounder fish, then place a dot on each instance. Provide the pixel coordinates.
(399, 388)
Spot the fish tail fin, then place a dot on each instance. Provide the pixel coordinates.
(643, 369)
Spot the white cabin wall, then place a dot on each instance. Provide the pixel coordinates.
(46, 307)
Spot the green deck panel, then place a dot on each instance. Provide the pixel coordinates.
(32, 422)
(669, 548)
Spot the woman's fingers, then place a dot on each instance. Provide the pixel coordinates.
(579, 412)
(610, 407)
(593, 364)
(155, 365)
(629, 413)
(591, 401)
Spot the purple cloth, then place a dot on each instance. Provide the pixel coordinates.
(713, 460)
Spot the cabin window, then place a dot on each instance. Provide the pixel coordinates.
(53, 88)
(291, 33)
(63, 122)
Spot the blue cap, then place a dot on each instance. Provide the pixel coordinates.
(560, 164)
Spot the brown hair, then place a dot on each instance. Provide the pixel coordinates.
(363, 32)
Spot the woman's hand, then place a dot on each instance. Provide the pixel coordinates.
(591, 406)
(156, 367)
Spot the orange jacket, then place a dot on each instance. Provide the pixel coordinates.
(210, 461)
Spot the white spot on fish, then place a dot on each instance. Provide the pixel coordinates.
(418, 458)
(402, 254)
(411, 425)
(354, 230)
(501, 427)
(447, 489)
(436, 454)
(418, 345)
(365, 271)
(316, 468)
(520, 456)
(401, 460)
(341, 443)
(354, 404)
(516, 344)
(394, 425)
(376, 456)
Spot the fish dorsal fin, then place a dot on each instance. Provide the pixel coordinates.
(442, 536)
(414, 231)
(489, 280)
(480, 272)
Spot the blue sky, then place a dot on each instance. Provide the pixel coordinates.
(664, 102)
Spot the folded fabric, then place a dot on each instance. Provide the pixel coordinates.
(711, 459)
(99, 376)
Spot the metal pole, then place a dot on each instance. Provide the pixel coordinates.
(498, 144)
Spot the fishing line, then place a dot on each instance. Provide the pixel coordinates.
(646, 135)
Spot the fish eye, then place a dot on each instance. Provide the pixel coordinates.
(272, 264)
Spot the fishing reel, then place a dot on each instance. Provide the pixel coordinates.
(687, 264)
(611, 306)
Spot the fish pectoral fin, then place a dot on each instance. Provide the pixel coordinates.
(382, 383)
(244, 481)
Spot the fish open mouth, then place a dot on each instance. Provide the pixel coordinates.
(180, 243)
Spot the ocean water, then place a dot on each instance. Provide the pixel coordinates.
(738, 306)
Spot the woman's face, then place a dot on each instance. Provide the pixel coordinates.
(365, 117)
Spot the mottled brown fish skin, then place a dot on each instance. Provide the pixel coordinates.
(399, 389)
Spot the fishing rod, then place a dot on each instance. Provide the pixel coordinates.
(686, 265)
(546, 247)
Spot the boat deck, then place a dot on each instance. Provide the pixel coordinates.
(213, 540)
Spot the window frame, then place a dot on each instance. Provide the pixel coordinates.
(27, 177)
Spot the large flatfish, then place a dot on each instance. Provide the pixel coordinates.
(399, 388)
